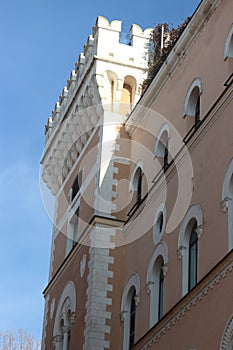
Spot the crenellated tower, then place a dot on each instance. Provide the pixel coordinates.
(78, 168)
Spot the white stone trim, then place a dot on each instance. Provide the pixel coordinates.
(193, 213)
(227, 338)
(132, 184)
(188, 106)
(158, 235)
(164, 129)
(228, 48)
(68, 294)
(227, 202)
(45, 321)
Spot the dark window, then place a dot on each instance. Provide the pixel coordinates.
(165, 157)
(68, 340)
(132, 321)
(75, 228)
(193, 250)
(160, 222)
(139, 186)
(161, 288)
(197, 112)
(76, 185)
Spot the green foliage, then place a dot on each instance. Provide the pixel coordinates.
(159, 55)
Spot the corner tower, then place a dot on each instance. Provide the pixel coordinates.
(77, 167)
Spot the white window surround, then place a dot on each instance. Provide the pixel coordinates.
(132, 284)
(157, 235)
(228, 49)
(71, 221)
(227, 202)
(193, 214)
(158, 260)
(189, 102)
(227, 338)
(133, 181)
(158, 152)
(65, 315)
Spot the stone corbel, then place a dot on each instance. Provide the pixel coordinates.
(148, 286)
(199, 231)
(225, 204)
(180, 251)
(72, 317)
(122, 315)
(136, 299)
(65, 329)
(165, 269)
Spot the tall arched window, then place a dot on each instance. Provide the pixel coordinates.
(192, 104)
(161, 146)
(155, 282)
(65, 316)
(227, 202)
(193, 250)
(136, 184)
(130, 299)
(190, 232)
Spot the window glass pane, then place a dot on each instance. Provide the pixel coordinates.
(193, 247)
(161, 294)
(132, 321)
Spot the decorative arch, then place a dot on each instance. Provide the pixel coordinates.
(192, 98)
(228, 49)
(227, 339)
(65, 316)
(227, 201)
(158, 267)
(193, 217)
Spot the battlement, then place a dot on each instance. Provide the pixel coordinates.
(106, 43)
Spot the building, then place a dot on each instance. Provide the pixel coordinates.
(143, 227)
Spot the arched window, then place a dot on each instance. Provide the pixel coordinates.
(157, 270)
(127, 94)
(130, 299)
(139, 185)
(159, 223)
(228, 49)
(193, 250)
(136, 184)
(65, 316)
(192, 102)
(190, 232)
(161, 146)
(227, 202)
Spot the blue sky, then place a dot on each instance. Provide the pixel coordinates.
(40, 41)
